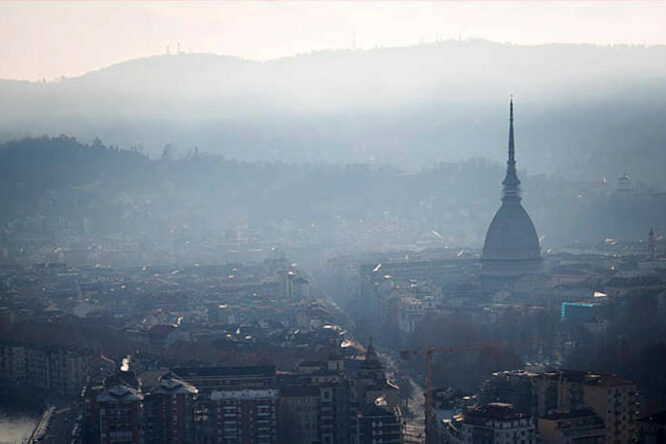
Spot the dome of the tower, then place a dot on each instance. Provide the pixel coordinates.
(511, 235)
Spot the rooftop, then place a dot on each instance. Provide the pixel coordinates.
(293, 391)
(120, 393)
(257, 370)
(170, 384)
(570, 414)
(497, 411)
(218, 395)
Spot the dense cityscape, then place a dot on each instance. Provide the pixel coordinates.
(391, 346)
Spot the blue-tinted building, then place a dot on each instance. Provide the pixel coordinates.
(578, 311)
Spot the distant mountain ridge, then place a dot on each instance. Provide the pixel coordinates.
(408, 106)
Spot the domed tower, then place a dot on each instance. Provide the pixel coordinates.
(512, 246)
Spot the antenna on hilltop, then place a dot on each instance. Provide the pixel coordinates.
(354, 37)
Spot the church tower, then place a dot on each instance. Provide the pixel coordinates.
(512, 246)
(650, 245)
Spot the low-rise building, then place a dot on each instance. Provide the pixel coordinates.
(208, 379)
(494, 423)
(168, 411)
(615, 401)
(61, 370)
(575, 426)
(299, 413)
(119, 410)
(379, 424)
(412, 310)
(245, 416)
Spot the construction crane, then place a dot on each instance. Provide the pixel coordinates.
(428, 353)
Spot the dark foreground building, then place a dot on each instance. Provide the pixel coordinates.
(169, 411)
(378, 424)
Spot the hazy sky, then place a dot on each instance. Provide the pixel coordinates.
(52, 39)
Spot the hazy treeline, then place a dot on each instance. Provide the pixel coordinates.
(126, 191)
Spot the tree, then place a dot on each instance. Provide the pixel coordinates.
(169, 152)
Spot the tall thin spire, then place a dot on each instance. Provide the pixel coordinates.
(511, 143)
(511, 183)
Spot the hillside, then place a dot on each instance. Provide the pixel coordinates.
(67, 187)
(582, 110)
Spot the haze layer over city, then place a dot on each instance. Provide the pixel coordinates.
(332, 222)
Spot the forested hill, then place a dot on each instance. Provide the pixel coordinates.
(48, 163)
(585, 111)
(31, 168)
(125, 192)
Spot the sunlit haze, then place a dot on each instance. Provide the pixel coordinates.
(334, 222)
(44, 40)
